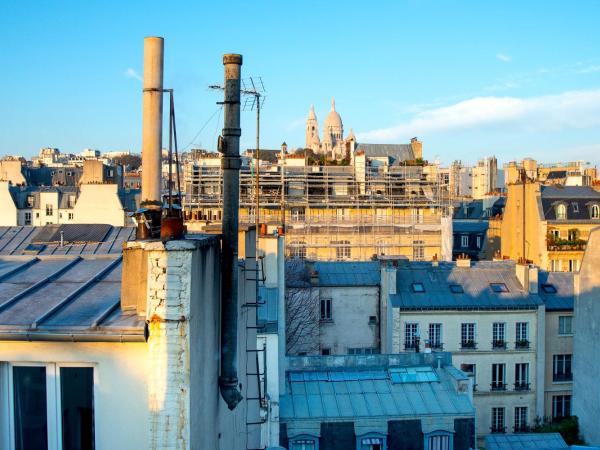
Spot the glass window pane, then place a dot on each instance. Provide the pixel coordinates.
(31, 421)
(77, 404)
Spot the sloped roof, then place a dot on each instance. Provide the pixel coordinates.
(397, 152)
(352, 393)
(333, 273)
(563, 282)
(525, 441)
(475, 282)
(66, 297)
(22, 240)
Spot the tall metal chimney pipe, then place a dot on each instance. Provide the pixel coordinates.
(152, 116)
(230, 163)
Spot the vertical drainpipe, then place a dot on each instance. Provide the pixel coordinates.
(281, 316)
(152, 120)
(230, 163)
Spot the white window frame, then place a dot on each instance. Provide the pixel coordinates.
(468, 332)
(522, 331)
(562, 321)
(561, 212)
(595, 212)
(371, 436)
(499, 424)
(411, 335)
(478, 242)
(464, 240)
(520, 417)
(427, 444)
(435, 335)
(53, 400)
(304, 437)
(499, 331)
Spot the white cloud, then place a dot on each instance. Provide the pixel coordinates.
(131, 73)
(502, 57)
(589, 69)
(568, 110)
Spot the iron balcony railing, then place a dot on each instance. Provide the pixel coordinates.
(522, 344)
(468, 345)
(497, 386)
(521, 386)
(499, 344)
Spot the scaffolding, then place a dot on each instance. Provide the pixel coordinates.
(332, 212)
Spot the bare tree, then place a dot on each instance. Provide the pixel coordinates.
(302, 310)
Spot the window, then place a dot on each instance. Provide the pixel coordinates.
(30, 201)
(438, 442)
(343, 250)
(435, 335)
(573, 265)
(562, 368)
(456, 289)
(521, 376)
(595, 212)
(298, 214)
(521, 335)
(71, 202)
(70, 216)
(565, 325)
(374, 441)
(478, 242)
(464, 240)
(326, 310)
(575, 207)
(363, 351)
(418, 250)
(304, 443)
(471, 371)
(555, 234)
(561, 406)
(52, 401)
(325, 351)
(411, 335)
(498, 420)
(561, 212)
(498, 335)
(49, 209)
(27, 218)
(418, 288)
(498, 288)
(548, 288)
(573, 234)
(520, 419)
(498, 377)
(381, 246)
(298, 249)
(555, 265)
(467, 335)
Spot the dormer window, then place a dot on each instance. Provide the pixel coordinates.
(561, 212)
(549, 288)
(499, 288)
(595, 212)
(418, 288)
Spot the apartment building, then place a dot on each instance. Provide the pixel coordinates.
(572, 173)
(487, 319)
(548, 224)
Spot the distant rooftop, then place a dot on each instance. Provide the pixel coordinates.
(525, 441)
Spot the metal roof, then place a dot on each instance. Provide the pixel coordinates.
(563, 282)
(470, 226)
(397, 152)
(475, 282)
(525, 441)
(65, 297)
(19, 240)
(370, 393)
(364, 273)
(559, 191)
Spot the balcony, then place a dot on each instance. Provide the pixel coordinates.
(499, 344)
(498, 386)
(522, 344)
(521, 386)
(468, 345)
(521, 429)
(437, 346)
(566, 245)
(498, 429)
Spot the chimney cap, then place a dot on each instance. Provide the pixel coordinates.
(232, 58)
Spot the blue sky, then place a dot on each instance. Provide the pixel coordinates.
(470, 78)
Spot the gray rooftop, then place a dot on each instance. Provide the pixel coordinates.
(65, 297)
(475, 282)
(525, 441)
(333, 273)
(86, 239)
(564, 297)
(559, 191)
(372, 392)
(397, 152)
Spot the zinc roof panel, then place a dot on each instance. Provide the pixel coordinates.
(344, 405)
(312, 387)
(326, 387)
(330, 405)
(359, 405)
(300, 406)
(417, 402)
(315, 407)
(298, 388)
(373, 404)
(339, 387)
(367, 386)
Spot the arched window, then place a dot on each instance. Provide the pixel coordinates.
(595, 212)
(371, 441)
(561, 212)
(304, 442)
(438, 440)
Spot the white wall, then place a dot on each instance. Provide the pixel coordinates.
(8, 217)
(120, 385)
(99, 203)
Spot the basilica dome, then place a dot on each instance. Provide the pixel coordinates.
(333, 121)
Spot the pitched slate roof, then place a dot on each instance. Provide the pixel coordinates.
(475, 282)
(563, 282)
(396, 152)
(333, 273)
(577, 199)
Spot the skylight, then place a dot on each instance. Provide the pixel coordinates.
(549, 288)
(418, 288)
(400, 375)
(456, 289)
(499, 288)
